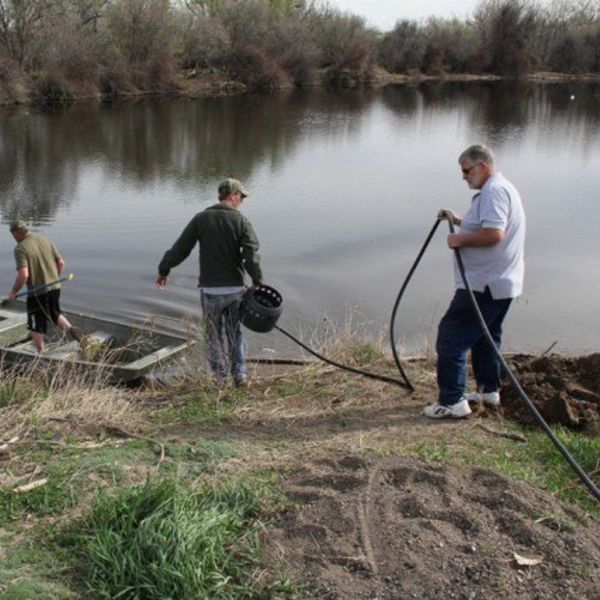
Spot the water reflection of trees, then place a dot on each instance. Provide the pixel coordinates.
(195, 142)
(505, 109)
(189, 141)
(33, 184)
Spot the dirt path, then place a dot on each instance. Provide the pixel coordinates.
(369, 520)
(404, 528)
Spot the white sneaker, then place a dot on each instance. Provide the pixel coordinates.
(489, 398)
(439, 411)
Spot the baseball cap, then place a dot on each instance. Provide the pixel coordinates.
(18, 225)
(229, 185)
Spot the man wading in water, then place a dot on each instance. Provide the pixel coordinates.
(38, 264)
(228, 248)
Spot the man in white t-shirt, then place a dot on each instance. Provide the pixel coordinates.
(491, 240)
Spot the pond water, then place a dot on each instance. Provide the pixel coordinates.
(344, 188)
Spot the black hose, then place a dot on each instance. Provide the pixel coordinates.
(383, 378)
(409, 385)
(406, 382)
(561, 448)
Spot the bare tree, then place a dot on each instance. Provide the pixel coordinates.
(450, 46)
(570, 36)
(90, 11)
(574, 11)
(209, 7)
(21, 27)
(403, 48)
(508, 30)
(141, 30)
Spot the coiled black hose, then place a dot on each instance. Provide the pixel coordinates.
(405, 383)
(561, 448)
(408, 385)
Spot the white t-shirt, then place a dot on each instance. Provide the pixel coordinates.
(500, 267)
(223, 290)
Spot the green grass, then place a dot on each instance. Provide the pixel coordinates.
(25, 588)
(365, 354)
(545, 465)
(205, 452)
(17, 390)
(203, 407)
(71, 474)
(436, 451)
(164, 540)
(74, 473)
(190, 461)
(33, 570)
(537, 460)
(293, 387)
(165, 521)
(50, 499)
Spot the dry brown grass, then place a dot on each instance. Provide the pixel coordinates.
(296, 400)
(347, 340)
(36, 396)
(317, 411)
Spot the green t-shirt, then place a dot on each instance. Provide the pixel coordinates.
(40, 256)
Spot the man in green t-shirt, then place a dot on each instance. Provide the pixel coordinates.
(38, 264)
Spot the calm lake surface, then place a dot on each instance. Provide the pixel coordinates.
(345, 186)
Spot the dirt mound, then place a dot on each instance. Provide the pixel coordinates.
(564, 390)
(402, 528)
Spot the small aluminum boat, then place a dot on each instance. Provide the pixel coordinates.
(125, 353)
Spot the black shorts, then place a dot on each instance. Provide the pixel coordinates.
(41, 309)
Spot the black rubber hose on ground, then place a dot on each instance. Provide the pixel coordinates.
(384, 378)
(406, 382)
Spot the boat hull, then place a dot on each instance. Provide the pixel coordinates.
(122, 353)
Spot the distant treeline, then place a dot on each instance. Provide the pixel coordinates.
(54, 50)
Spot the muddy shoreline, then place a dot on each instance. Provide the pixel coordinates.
(190, 85)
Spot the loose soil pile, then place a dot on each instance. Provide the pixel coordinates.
(565, 390)
(402, 528)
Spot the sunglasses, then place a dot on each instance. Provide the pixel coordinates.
(469, 169)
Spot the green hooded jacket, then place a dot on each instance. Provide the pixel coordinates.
(228, 247)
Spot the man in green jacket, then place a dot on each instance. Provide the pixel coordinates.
(228, 249)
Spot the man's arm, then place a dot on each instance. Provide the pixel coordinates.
(20, 281)
(58, 259)
(178, 253)
(478, 239)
